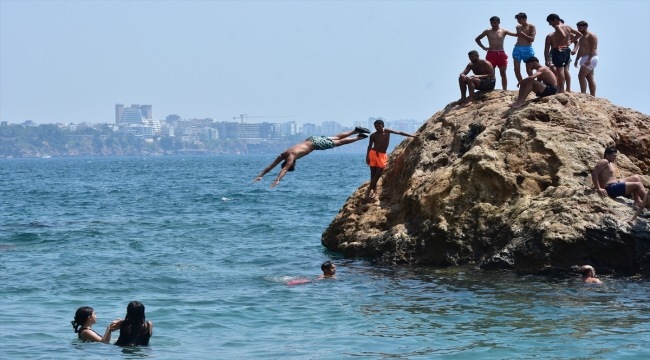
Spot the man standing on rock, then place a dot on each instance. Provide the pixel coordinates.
(304, 148)
(547, 54)
(483, 78)
(546, 87)
(588, 275)
(524, 47)
(495, 53)
(376, 156)
(587, 49)
(560, 52)
(604, 178)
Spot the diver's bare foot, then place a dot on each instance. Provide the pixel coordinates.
(460, 101)
(468, 103)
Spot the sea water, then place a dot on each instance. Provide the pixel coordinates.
(209, 253)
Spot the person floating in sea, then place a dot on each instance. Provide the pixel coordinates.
(376, 155)
(644, 203)
(85, 317)
(134, 329)
(495, 53)
(604, 178)
(483, 78)
(560, 52)
(290, 155)
(546, 87)
(587, 49)
(588, 275)
(329, 270)
(524, 47)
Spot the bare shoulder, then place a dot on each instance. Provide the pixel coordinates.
(602, 163)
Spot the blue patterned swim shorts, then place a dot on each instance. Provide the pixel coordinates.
(321, 142)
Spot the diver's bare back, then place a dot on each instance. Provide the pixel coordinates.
(561, 36)
(300, 150)
(547, 76)
(481, 67)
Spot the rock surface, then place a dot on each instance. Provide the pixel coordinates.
(506, 189)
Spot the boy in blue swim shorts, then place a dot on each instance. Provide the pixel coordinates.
(604, 178)
(289, 156)
(524, 47)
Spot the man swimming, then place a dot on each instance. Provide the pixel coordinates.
(524, 47)
(312, 143)
(483, 78)
(604, 178)
(547, 85)
(560, 52)
(376, 155)
(329, 270)
(588, 275)
(495, 53)
(587, 49)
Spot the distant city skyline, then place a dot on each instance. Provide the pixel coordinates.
(316, 61)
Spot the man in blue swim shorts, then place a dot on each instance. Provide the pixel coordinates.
(604, 178)
(312, 143)
(524, 47)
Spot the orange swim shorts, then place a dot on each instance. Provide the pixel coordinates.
(377, 159)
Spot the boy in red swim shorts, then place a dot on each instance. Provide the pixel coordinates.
(495, 53)
(376, 156)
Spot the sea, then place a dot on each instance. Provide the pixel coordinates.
(210, 255)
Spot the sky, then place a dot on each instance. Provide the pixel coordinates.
(311, 61)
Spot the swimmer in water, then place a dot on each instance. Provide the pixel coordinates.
(329, 270)
(588, 275)
(85, 317)
(134, 329)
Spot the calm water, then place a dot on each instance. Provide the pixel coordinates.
(209, 254)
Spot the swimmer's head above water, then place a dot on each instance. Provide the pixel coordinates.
(329, 269)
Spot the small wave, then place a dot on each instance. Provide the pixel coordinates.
(225, 199)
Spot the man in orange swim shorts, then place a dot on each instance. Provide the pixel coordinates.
(376, 156)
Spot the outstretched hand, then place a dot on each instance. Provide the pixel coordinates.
(115, 325)
(257, 179)
(276, 182)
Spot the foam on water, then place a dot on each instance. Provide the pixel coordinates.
(210, 254)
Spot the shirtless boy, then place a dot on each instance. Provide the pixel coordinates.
(588, 275)
(376, 155)
(587, 49)
(604, 179)
(483, 78)
(304, 148)
(547, 85)
(524, 47)
(495, 53)
(547, 54)
(560, 52)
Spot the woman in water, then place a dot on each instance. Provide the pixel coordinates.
(86, 317)
(134, 329)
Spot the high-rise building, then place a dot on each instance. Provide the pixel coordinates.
(171, 118)
(119, 109)
(309, 129)
(330, 128)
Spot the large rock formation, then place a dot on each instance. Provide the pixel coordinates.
(506, 189)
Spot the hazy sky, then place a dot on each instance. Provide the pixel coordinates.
(72, 61)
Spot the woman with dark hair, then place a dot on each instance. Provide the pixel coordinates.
(85, 317)
(134, 329)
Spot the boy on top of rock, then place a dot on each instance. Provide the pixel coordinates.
(546, 87)
(482, 80)
(495, 53)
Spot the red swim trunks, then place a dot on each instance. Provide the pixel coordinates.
(497, 58)
(377, 159)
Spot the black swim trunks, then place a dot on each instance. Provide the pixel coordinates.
(561, 57)
(550, 90)
(486, 85)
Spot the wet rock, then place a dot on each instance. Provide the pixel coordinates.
(506, 189)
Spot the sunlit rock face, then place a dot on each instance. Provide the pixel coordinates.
(505, 189)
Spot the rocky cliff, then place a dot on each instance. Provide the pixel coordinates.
(506, 188)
